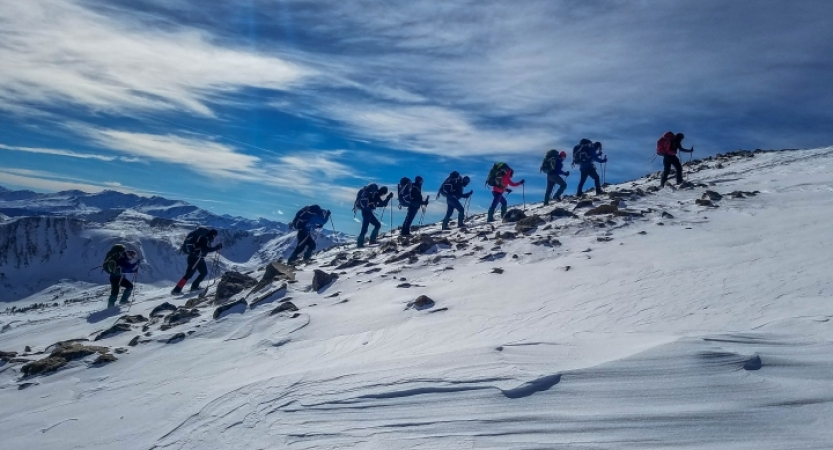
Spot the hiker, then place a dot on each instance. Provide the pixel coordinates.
(500, 179)
(197, 245)
(117, 263)
(667, 147)
(410, 196)
(585, 154)
(306, 220)
(553, 166)
(452, 190)
(368, 199)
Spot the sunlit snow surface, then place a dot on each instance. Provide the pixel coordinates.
(710, 331)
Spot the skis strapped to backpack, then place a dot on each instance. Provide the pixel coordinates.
(192, 238)
(495, 177)
(403, 192)
(110, 263)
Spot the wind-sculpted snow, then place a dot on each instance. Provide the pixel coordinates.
(664, 324)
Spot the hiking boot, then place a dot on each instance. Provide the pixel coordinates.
(176, 291)
(111, 301)
(125, 296)
(557, 198)
(490, 217)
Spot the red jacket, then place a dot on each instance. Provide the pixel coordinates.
(505, 182)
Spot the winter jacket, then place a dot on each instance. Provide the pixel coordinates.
(559, 167)
(125, 265)
(317, 220)
(587, 165)
(677, 144)
(416, 195)
(203, 246)
(505, 182)
(373, 202)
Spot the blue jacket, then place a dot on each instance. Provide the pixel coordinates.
(125, 265)
(559, 167)
(376, 201)
(317, 221)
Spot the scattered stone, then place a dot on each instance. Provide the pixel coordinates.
(422, 302)
(334, 295)
(753, 363)
(105, 359)
(373, 270)
(274, 271)
(497, 270)
(179, 337)
(159, 310)
(438, 310)
(43, 366)
(507, 235)
(121, 350)
(138, 318)
(404, 285)
(706, 203)
(388, 247)
(112, 331)
(604, 239)
(238, 307)
(514, 215)
(60, 356)
(712, 195)
(666, 215)
(23, 386)
(602, 209)
(6, 356)
(528, 224)
(231, 284)
(567, 268)
(254, 303)
(493, 256)
(547, 241)
(351, 263)
(284, 307)
(583, 204)
(179, 317)
(27, 349)
(660, 223)
(134, 342)
(321, 280)
(643, 232)
(515, 256)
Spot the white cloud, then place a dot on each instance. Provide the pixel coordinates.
(48, 181)
(68, 153)
(60, 51)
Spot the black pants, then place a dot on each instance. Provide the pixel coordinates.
(454, 204)
(667, 162)
(552, 180)
(305, 242)
(589, 172)
(119, 280)
(368, 218)
(196, 263)
(409, 218)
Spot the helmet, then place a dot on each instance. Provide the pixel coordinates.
(563, 155)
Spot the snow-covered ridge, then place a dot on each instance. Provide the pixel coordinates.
(695, 318)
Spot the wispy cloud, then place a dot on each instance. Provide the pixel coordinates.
(59, 51)
(68, 153)
(39, 180)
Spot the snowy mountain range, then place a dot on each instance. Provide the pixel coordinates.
(697, 317)
(64, 235)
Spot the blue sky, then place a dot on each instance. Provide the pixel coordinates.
(258, 107)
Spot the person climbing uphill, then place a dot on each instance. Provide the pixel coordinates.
(118, 263)
(452, 190)
(197, 245)
(667, 147)
(306, 220)
(585, 155)
(410, 196)
(553, 166)
(368, 199)
(500, 179)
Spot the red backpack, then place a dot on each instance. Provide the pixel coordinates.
(664, 144)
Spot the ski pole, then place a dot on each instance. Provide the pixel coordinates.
(523, 193)
(604, 174)
(133, 297)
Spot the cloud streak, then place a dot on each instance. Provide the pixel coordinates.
(67, 153)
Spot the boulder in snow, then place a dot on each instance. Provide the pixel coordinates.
(284, 307)
(160, 310)
(528, 224)
(514, 215)
(321, 279)
(238, 307)
(422, 302)
(112, 331)
(712, 195)
(602, 209)
(231, 284)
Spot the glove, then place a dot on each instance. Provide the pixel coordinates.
(604, 160)
(390, 196)
(468, 194)
(509, 191)
(523, 181)
(567, 173)
(692, 149)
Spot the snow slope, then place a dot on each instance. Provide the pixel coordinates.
(708, 329)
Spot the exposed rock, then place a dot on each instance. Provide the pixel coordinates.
(284, 307)
(422, 302)
(604, 239)
(427, 243)
(528, 224)
(561, 212)
(231, 284)
(493, 256)
(179, 337)
(514, 215)
(547, 241)
(65, 352)
(321, 280)
(179, 317)
(404, 285)
(351, 263)
(120, 350)
(270, 295)
(6, 356)
(388, 247)
(138, 318)
(667, 215)
(238, 307)
(159, 310)
(112, 331)
(274, 271)
(105, 359)
(712, 195)
(497, 270)
(583, 204)
(134, 342)
(508, 235)
(602, 209)
(43, 366)
(707, 203)
(643, 232)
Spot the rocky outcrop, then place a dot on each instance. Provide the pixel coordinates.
(112, 331)
(179, 317)
(560, 212)
(422, 302)
(274, 271)
(706, 203)
(712, 195)
(231, 284)
(529, 224)
(238, 307)
(159, 311)
(284, 307)
(321, 279)
(179, 337)
(513, 215)
(60, 356)
(602, 210)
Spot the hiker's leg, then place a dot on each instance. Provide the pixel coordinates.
(581, 182)
(449, 210)
(461, 211)
(595, 176)
(365, 224)
(310, 248)
(409, 219)
(666, 169)
(502, 200)
(562, 185)
(550, 185)
(115, 282)
(376, 225)
(302, 236)
(203, 270)
(495, 200)
(675, 161)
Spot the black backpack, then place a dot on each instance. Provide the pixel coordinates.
(450, 184)
(303, 215)
(583, 152)
(192, 238)
(550, 161)
(110, 263)
(366, 192)
(495, 176)
(403, 192)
